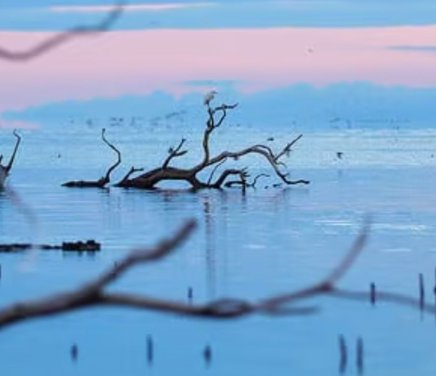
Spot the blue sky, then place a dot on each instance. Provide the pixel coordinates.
(224, 14)
(272, 49)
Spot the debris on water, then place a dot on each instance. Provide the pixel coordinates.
(88, 246)
(78, 246)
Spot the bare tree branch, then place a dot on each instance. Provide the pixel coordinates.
(216, 117)
(91, 293)
(126, 177)
(245, 183)
(94, 293)
(212, 173)
(5, 170)
(14, 153)
(118, 161)
(100, 183)
(174, 152)
(63, 37)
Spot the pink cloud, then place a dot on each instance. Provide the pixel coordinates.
(139, 62)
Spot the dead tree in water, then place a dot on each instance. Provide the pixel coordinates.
(100, 183)
(5, 169)
(216, 117)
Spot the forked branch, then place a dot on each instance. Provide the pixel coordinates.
(174, 152)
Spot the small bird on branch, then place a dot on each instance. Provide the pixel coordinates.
(209, 97)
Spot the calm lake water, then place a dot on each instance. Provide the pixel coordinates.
(268, 241)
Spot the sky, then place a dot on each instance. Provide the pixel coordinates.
(241, 48)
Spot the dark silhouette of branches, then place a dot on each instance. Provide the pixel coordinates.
(100, 183)
(94, 292)
(5, 169)
(174, 152)
(215, 118)
(63, 37)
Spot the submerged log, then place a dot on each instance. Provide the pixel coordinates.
(79, 246)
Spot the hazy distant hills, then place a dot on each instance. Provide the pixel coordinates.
(340, 106)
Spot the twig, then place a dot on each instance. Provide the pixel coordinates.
(174, 152)
(209, 181)
(14, 153)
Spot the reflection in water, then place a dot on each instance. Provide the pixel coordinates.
(211, 276)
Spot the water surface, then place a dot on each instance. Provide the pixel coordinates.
(268, 241)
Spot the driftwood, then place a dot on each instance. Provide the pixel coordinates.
(6, 169)
(216, 116)
(104, 180)
(94, 293)
(79, 246)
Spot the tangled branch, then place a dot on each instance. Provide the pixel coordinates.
(215, 119)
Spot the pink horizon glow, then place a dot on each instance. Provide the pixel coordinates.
(140, 62)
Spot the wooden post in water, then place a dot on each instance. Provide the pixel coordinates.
(150, 350)
(434, 290)
(342, 354)
(373, 293)
(190, 294)
(207, 354)
(359, 356)
(74, 352)
(421, 292)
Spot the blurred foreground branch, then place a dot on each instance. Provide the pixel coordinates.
(94, 293)
(61, 38)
